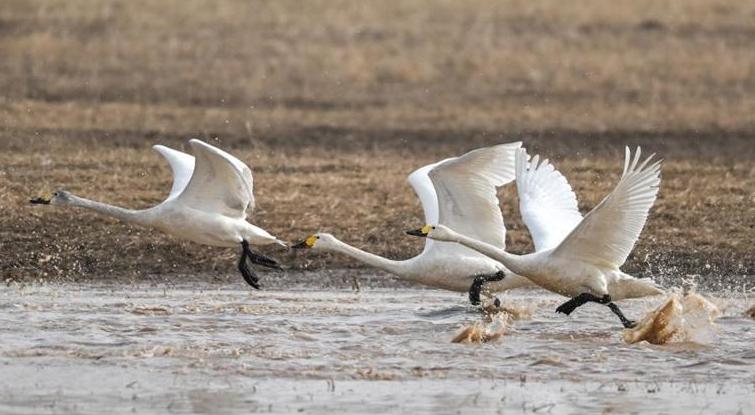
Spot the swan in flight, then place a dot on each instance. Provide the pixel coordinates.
(208, 203)
(461, 192)
(585, 264)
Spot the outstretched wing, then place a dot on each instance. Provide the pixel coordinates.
(466, 189)
(420, 181)
(220, 184)
(182, 165)
(546, 201)
(607, 234)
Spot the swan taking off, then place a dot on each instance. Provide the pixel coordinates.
(585, 264)
(461, 192)
(208, 204)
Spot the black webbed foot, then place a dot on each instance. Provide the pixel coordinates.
(246, 271)
(625, 321)
(260, 259)
(565, 308)
(578, 301)
(476, 288)
(569, 306)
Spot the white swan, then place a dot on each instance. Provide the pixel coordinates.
(461, 192)
(208, 204)
(584, 265)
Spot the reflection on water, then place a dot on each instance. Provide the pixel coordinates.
(155, 349)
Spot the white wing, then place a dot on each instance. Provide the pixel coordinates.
(220, 184)
(182, 165)
(423, 187)
(466, 189)
(607, 234)
(546, 201)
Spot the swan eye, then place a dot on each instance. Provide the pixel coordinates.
(433, 227)
(56, 194)
(318, 237)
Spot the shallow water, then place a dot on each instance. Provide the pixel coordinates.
(93, 348)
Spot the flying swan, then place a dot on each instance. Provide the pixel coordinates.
(460, 192)
(208, 204)
(584, 265)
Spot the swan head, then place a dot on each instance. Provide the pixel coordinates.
(61, 197)
(437, 232)
(316, 241)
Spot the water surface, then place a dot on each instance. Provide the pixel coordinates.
(93, 348)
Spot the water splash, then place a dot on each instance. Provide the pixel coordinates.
(681, 318)
(515, 310)
(491, 328)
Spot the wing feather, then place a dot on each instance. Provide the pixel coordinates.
(182, 165)
(607, 234)
(420, 181)
(466, 190)
(547, 203)
(221, 183)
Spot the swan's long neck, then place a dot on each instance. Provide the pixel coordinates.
(394, 267)
(139, 217)
(513, 262)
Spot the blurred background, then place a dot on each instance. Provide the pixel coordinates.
(333, 103)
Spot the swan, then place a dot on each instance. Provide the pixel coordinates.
(585, 264)
(208, 203)
(460, 191)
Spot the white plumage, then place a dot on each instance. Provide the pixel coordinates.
(211, 196)
(585, 264)
(607, 234)
(460, 191)
(547, 203)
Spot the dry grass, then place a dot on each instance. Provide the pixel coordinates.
(333, 103)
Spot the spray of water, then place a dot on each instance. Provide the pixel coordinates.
(493, 327)
(680, 318)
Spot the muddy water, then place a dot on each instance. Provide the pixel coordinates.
(98, 348)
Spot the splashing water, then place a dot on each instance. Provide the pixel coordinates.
(515, 311)
(688, 318)
(200, 347)
(490, 329)
(497, 318)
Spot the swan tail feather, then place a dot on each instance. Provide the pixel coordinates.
(630, 287)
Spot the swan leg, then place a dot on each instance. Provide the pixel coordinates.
(573, 303)
(476, 288)
(259, 259)
(580, 300)
(246, 271)
(583, 298)
(625, 321)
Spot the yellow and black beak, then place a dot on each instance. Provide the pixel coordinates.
(44, 200)
(305, 244)
(422, 232)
